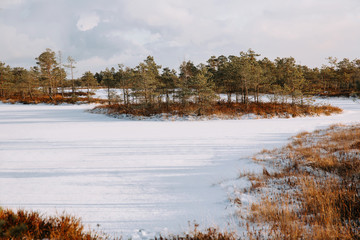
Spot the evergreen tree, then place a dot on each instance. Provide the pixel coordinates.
(235, 76)
(21, 79)
(6, 85)
(204, 92)
(109, 82)
(290, 77)
(124, 78)
(218, 67)
(346, 72)
(147, 74)
(251, 73)
(89, 81)
(168, 82)
(47, 64)
(187, 73)
(268, 74)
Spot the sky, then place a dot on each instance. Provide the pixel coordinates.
(100, 34)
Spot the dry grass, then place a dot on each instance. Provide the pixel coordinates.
(31, 225)
(27, 225)
(314, 188)
(79, 97)
(224, 109)
(209, 234)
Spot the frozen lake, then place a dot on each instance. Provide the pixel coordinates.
(131, 175)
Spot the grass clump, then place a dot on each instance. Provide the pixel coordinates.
(311, 190)
(31, 225)
(211, 233)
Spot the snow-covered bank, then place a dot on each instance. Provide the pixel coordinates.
(131, 175)
(194, 117)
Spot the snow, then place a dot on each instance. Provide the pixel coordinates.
(135, 178)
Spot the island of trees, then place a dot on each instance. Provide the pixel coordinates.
(222, 86)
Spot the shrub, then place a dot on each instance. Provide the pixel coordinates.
(31, 225)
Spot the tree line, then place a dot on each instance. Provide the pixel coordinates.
(243, 78)
(48, 78)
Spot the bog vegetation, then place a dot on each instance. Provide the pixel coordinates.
(218, 110)
(195, 89)
(31, 225)
(26, 225)
(310, 189)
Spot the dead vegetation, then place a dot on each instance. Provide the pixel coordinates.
(223, 109)
(78, 97)
(310, 189)
(28, 225)
(211, 233)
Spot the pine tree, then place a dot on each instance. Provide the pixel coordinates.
(147, 84)
(290, 76)
(187, 73)
(47, 64)
(109, 82)
(6, 85)
(90, 82)
(204, 92)
(168, 81)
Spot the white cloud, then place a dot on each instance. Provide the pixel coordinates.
(88, 21)
(136, 36)
(123, 31)
(163, 13)
(16, 45)
(131, 58)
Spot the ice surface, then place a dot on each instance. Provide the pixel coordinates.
(133, 175)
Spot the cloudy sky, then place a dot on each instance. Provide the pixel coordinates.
(104, 33)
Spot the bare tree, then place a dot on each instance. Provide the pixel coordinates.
(71, 67)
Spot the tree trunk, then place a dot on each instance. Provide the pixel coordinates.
(108, 92)
(127, 97)
(167, 99)
(124, 95)
(246, 93)
(88, 93)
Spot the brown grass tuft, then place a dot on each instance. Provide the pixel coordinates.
(31, 225)
(211, 233)
(79, 97)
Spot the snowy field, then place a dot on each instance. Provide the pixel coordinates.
(124, 176)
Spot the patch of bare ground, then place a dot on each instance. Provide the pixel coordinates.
(309, 189)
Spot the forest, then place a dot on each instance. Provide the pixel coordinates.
(150, 87)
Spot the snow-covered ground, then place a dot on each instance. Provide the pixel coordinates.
(132, 175)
